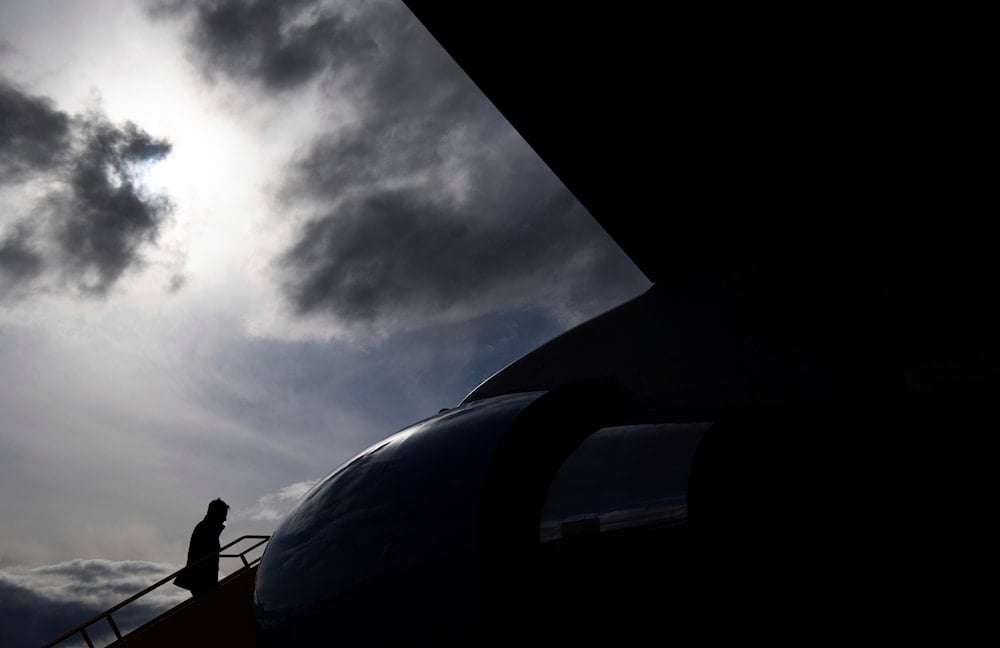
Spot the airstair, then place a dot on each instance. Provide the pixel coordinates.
(221, 617)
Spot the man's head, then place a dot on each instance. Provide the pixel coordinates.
(218, 509)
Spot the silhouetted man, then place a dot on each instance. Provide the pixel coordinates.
(200, 577)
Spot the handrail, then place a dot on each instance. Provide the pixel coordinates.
(82, 628)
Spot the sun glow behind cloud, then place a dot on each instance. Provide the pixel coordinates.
(192, 376)
(219, 173)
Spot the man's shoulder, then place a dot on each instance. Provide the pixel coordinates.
(201, 528)
(207, 528)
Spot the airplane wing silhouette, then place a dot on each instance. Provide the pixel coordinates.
(703, 137)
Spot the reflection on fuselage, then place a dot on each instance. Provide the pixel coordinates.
(392, 534)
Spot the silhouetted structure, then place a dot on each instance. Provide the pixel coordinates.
(202, 573)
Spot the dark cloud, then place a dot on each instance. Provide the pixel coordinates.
(95, 216)
(41, 603)
(19, 261)
(280, 44)
(418, 119)
(28, 620)
(424, 198)
(34, 136)
(402, 252)
(100, 580)
(105, 216)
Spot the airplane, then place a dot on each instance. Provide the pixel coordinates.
(733, 455)
(778, 442)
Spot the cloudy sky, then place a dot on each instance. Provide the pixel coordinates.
(240, 241)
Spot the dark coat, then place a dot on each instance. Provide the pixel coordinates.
(204, 542)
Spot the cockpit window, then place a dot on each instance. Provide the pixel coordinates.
(622, 478)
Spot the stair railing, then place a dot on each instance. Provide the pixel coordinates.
(81, 629)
